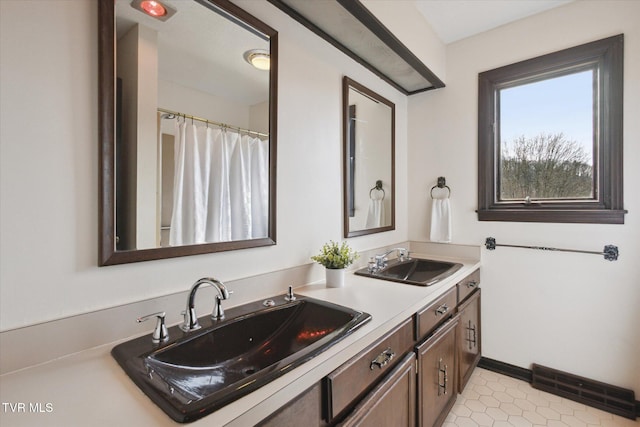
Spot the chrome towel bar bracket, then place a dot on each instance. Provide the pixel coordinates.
(610, 252)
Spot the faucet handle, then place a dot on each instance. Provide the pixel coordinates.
(290, 296)
(160, 333)
(372, 265)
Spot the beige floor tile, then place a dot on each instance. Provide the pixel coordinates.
(572, 421)
(519, 421)
(465, 422)
(495, 400)
(534, 417)
(482, 419)
(510, 409)
(497, 414)
(490, 401)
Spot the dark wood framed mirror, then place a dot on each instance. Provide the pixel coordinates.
(173, 93)
(368, 130)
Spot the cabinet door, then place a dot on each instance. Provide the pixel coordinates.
(469, 348)
(437, 374)
(304, 409)
(392, 402)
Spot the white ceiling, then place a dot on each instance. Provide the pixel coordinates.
(188, 39)
(454, 20)
(202, 50)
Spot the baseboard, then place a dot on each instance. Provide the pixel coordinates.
(608, 398)
(506, 369)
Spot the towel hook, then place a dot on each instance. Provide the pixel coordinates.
(442, 183)
(378, 187)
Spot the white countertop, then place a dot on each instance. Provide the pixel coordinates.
(90, 388)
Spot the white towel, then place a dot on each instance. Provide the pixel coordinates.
(375, 215)
(441, 220)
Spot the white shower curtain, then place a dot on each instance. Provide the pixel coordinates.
(221, 186)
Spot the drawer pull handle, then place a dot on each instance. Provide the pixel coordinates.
(442, 373)
(382, 359)
(472, 284)
(471, 332)
(442, 309)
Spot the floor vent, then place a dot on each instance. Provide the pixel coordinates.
(607, 397)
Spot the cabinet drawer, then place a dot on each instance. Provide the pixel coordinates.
(467, 285)
(392, 402)
(432, 315)
(353, 379)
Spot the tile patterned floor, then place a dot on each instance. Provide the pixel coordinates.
(492, 399)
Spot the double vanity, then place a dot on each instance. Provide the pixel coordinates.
(374, 348)
(408, 377)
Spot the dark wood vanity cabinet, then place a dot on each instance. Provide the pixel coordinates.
(437, 374)
(469, 344)
(409, 377)
(352, 382)
(390, 403)
(448, 336)
(303, 410)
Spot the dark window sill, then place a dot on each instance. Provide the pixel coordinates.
(576, 216)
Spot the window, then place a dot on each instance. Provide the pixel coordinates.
(550, 137)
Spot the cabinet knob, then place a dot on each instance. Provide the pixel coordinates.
(472, 284)
(382, 359)
(442, 309)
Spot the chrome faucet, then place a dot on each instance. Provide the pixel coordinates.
(380, 261)
(190, 317)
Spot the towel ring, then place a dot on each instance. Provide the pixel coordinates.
(378, 187)
(442, 183)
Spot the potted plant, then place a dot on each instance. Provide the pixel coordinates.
(335, 258)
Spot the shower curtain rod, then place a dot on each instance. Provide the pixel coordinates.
(222, 125)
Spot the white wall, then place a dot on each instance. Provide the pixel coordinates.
(573, 312)
(407, 23)
(49, 166)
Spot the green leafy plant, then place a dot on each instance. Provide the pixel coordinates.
(335, 256)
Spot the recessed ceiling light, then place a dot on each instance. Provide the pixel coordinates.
(259, 58)
(154, 8)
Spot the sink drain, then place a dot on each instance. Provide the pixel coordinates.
(249, 371)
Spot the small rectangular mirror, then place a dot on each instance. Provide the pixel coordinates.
(369, 160)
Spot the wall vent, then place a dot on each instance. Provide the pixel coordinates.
(603, 396)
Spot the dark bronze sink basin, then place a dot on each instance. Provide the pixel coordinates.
(414, 271)
(196, 373)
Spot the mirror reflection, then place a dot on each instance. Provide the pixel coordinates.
(369, 144)
(194, 149)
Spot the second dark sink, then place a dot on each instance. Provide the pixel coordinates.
(414, 271)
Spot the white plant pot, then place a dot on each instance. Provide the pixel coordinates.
(335, 277)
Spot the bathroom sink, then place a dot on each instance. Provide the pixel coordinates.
(413, 271)
(196, 373)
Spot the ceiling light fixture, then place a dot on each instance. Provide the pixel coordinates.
(259, 58)
(154, 9)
